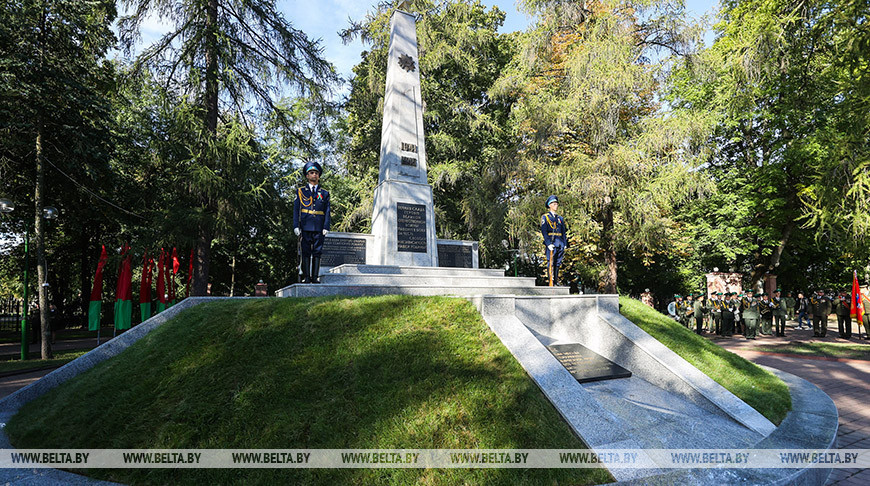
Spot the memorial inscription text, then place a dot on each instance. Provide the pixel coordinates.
(411, 227)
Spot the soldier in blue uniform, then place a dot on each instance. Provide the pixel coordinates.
(555, 233)
(311, 221)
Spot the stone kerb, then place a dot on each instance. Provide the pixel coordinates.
(594, 321)
(598, 427)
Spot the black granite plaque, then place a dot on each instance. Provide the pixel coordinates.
(409, 161)
(459, 256)
(586, 365)
(409, 147)
(411, 227)
(338, 251)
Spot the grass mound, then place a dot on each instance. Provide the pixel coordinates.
(759, 388)
(366, 373)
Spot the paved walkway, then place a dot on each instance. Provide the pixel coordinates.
(847, 382)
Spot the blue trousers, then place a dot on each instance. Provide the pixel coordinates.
(557, 254)
(312, 243)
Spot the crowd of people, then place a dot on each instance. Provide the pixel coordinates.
(751, 314)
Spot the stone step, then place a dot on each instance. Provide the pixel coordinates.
(323, 289)
(445, 280)
(355, 269)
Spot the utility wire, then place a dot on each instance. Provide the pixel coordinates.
(92, 193)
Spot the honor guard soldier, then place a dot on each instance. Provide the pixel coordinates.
(843, 309)
(311, 222)
(820, 307)
(780, 310)
(555, 233)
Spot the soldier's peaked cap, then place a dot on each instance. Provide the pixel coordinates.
(551, 200)
(313, 166)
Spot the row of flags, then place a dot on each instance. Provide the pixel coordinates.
(167, 265)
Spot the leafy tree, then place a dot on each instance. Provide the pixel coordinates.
(219, 56)
(590, 128)
(787, 135)
(461, 56)
(52, 104)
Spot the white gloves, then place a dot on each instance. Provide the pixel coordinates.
(551, 247)
(297, 231)
(325, 232)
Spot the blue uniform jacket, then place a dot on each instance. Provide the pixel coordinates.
(311, 211)
(555, 230)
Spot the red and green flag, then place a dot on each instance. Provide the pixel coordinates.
(145, 287)
(161, 282)
(96, 304)
(124, 293)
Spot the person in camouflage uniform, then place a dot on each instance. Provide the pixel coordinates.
(820, 307)
(729, 309)
(843, 308)
(766, 309)
(780, 310)
(698, 311)
(751, 315)
(790, 303)
(716, 306)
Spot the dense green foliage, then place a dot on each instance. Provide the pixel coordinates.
(371, 373)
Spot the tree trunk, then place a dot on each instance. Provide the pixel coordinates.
(608, 247)
(233, 278)
(39, 243)
(203, 244)
(760, 270)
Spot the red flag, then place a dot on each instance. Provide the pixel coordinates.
(857, 305)
(161, 282)
(170, 281)
(124, 293)
(189, 274)
(97, 293)
(145, 284)
(175, 263)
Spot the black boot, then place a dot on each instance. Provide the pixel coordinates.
(315, 269)
(305, 265)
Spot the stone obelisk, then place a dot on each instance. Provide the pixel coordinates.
(403, 217)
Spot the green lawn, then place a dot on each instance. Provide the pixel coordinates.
(757, 387)
(830, 350)
(380, 372)
(60, 358)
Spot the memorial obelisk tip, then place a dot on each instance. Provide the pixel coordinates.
(403, 216)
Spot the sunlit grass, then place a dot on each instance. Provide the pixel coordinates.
(759, 388)
(379, 372)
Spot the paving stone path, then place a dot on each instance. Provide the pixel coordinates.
(846, 381)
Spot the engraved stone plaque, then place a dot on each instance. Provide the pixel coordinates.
(338, 251)
(586, 365)
(411, 227)
(459, 256)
